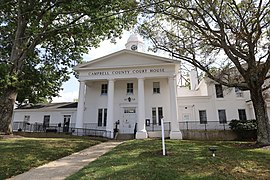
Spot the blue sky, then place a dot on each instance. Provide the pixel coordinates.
(71, 87)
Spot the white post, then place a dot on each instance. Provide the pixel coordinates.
(163, 137)
(175, 131)
(141, 133)
(80, 109)
(110, 106)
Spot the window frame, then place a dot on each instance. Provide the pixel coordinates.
(154, 115)
(129, 110)
(100, 112)
(156, 87)
(130, 88)
(222, 120)
(104, 89)
(46, 124)
(219, 91)
(160, 115)
(102, 117)
(203, 117)
(157, 115)
(105, 111)
(242, 117)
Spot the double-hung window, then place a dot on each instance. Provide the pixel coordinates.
(129, 88)
(242, 114)
(102, 117)
(156, 87)
(157, 115)
(203, 116)
(222, 116)
(219, 91)
(104, 89)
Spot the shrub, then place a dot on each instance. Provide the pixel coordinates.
(245, 129)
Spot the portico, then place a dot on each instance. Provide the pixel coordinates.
(128, 87)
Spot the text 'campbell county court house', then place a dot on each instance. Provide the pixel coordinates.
(131, 90)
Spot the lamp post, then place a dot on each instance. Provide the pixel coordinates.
(213, 150)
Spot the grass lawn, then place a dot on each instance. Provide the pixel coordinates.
(142, 159)
(18, 155)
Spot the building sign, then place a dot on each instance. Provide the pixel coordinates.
(121, 72)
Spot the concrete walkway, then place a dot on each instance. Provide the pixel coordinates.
(62, 168)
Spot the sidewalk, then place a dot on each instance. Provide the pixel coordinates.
(62, 168)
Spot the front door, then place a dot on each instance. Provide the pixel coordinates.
(66, 123)
(46, 121)
(129, 120)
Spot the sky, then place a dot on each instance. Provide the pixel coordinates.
(71, 88)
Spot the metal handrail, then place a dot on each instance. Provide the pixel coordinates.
(39, 127)
(209, 125)
(152, 127)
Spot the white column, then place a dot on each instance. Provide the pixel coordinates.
(110, 107)
(141, 131)
(175, 132)
(80, 109)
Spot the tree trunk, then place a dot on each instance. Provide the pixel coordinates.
(260, 109)
(7, 102)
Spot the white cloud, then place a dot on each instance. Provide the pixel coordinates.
(66, 96)
(106, 47)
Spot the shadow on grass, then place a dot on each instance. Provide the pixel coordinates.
(141, 159)
(20, 155)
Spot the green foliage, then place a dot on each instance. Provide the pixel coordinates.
(40, 41)
(226, 39)
(243, 125)
(213, 34)
(245, 129)
(20, 155)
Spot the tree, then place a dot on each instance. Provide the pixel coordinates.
(227, 39)
(41, 40)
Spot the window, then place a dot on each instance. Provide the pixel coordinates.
(160, 115)
(26, 118)
(105, 118)
(154, 116)
(129, 88)
(222, 116)
(242, 114)
(130, 110)
(102, 117)
(157, 115)
(156, 88)
(203, 117)
(104, 89)
(219, 91)
(46, 121)
(238, 92)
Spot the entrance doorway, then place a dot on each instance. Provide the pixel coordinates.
(66, 123)
(129, 120)
(46, 121)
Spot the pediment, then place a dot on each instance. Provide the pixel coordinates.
(125, 58)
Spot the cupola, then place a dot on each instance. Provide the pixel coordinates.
(135, 43)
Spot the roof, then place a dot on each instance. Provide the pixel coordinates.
(49, 105)
(125, 51)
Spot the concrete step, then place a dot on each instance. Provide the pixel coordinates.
(124, 136)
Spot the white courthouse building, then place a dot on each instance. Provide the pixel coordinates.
(133, 90)
(128, 87)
